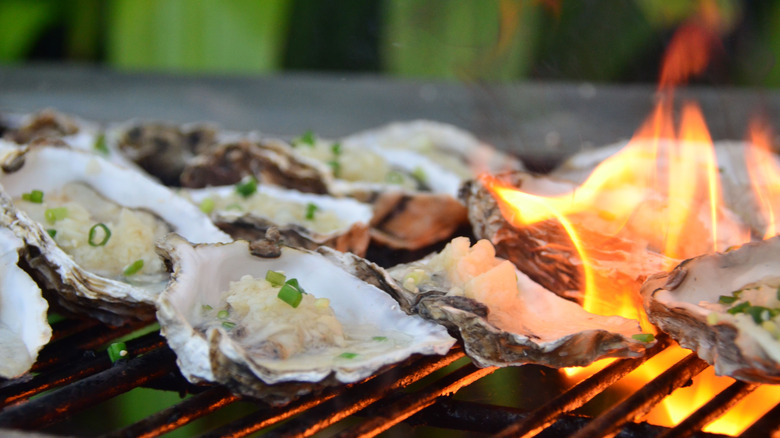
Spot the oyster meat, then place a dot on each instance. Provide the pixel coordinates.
(24, 328)
(228, 316)
(307, 220)
(93, 240)
(724, 306)
(503, 317)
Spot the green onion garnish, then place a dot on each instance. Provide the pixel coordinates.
(234, 206)
(394, 177)
(759, 313)
(275, 278)
(228, 325)
(348, 355)
(55, 214)
(207, 205)
(35, 196)
(336, 167)
(379, 338)
(419, 174)
(206, 308)
(307, 138)
(739, 308)
(727, 299)
(336, 149)
(778, 293)
(116, 351)
(52, 232)
(247, 187)
(290, 294)
(133, 268)
(223, 314)
(310, 209)
(100, 144)
(294, 283)
(93, 232)
(644, 337)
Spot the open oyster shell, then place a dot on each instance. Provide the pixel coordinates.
(687, 304)
(50, 125)
(503, 317)
(24, 328)
(304, 220)
(109, 298)
(375, 329)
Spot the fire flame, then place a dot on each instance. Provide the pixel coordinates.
(656, 202)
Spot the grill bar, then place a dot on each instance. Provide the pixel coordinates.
(579, 394)
(410, 404)
(644, 399)
(711, 410)
(322, 412)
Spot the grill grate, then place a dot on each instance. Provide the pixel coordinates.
(416, 392)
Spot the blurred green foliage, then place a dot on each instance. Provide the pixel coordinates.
(487, 40)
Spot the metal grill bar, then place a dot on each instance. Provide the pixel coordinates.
(579, 394)
(643, 400)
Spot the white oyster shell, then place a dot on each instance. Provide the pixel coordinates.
(531, 325)
(202, 272)
(347, 228)
(684, 303)
(49, 169)
(24, 328)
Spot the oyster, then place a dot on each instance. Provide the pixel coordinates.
(107, 217)
(50, 125)
(24, 328)
(725, 307)
(503, 317)
(228, 324)
(246, 211)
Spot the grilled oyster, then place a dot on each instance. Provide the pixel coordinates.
(503, 317)
(246, 211)
(24, 329)
(93, 241)
(725, 307)
(50, 125)
(227, 318)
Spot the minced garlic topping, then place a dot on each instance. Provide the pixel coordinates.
(281, 211)
(133, 232)
(252, 312)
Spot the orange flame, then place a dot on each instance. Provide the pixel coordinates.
(764, 175)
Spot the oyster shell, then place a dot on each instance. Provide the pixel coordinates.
(503, 317)
(24, 328)
(109, 295)
(253, 354)
(697, 305)
(304, 220)
(50, 125)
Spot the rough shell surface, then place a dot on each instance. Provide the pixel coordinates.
(48, 169)
(24, 328)
(737, 347)
(202, 272)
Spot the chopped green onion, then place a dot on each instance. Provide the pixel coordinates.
(727, 299)
(55, 214)
(116, 351)
(336, 167)
(228, 325)
(234, 206)
(206, 308)
(644, 337)
(307, 138)
(93, 232)
(310, 210)
(294, 283)
(379, 338)
(223, 314)
(133, 268)
(778, 293)
(52, 232)
(275, 278)
(100, 144)
(394, 177)
(290, 295)
(348, 355)
(35, 196)
(737, 293)
(739, 308)
(419, 174)
(54, 318)
(336, 149)
(759, 313)
(207, 205)
(247, 187)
